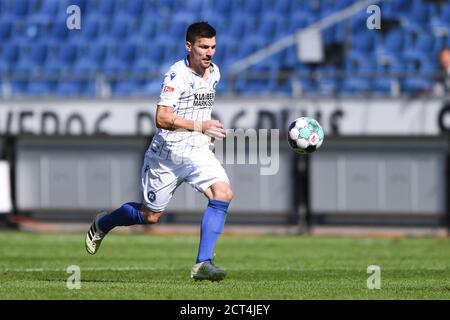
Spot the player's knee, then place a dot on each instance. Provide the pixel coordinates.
(153, 218)
(224, 194)
(150, 216)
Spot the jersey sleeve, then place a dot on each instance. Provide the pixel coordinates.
(216, 76)
(171, 89)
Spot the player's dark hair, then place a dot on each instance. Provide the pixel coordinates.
(200, 30)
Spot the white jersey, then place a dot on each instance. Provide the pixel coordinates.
(192, 98)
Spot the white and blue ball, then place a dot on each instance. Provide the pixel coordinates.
(305, 135)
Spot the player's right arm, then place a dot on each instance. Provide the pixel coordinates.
(169, 120)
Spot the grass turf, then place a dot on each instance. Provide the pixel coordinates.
(142, 266)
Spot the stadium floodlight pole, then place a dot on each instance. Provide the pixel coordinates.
(290, 40)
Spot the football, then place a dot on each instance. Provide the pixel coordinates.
(305, 135)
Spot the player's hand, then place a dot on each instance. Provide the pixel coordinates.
(214, 129)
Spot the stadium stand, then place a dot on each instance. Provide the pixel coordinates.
(128, 44)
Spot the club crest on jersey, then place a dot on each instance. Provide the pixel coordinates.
(151, 196)
(168, 89)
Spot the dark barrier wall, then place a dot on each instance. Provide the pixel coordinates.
(378, 180)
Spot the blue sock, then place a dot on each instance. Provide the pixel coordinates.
(212, 225)
(128, 214)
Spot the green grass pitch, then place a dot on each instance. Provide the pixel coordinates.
(145, 266)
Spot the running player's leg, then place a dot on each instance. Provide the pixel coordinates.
(210, 178)
(213, 221)
(158, 184)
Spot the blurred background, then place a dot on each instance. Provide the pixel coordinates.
(77, 109)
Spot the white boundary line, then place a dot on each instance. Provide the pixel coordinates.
(91, 269)
(82, 269)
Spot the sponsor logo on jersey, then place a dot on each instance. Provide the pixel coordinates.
(168, 89)
(204, 99)
(172, 75)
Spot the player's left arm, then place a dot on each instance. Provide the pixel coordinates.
(167, 119)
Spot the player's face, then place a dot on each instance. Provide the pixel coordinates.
(445, 59)
(202, 51)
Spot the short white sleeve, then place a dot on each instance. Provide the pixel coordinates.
(171, 89)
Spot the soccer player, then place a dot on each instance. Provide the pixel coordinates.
(180, 152)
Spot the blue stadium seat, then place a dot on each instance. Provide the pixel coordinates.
(152, 88)
(6, 27)
(119, 31)
(360, 74)
(304, 86)
(299, 20)
(327, 81)
(250, 46)
(91, 31)
(363, 41)
(392, 46)
(228, 49)
(70, 88)
(419, 17)
(389, 74)
(224, 8)
(283, 88)
(58, 31)
(193, 6)
(135, 8)
(167, 7)
(290, 59)
(253, 7)
(82, 4)
(283, 7)
(40, 88)
(394, 9)
(18, 8)
(303, 69)
(8, 57)
(237, 26)
(107, 8)
(90, 89)
(334, 34)
(342, 4)
(61, 63)
(18, 88)
(122, 61)
(242, 24)
(358, 22)
(146, 31)
(178, 26)
(31, 60)
(260, 84)
(420, 76)
(149, 59)
(127, 88)
(271, 26)
(441, 22)
(28, 32)
(90, 61)
(424, 43)
(46, 12)
(313, 8)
